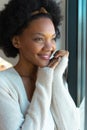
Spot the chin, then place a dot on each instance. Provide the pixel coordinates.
(43, 65)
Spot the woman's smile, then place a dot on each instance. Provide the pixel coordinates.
(37, 42)
(44, 56)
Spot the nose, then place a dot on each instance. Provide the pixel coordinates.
(50, 46)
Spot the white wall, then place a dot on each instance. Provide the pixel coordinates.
(60, 43)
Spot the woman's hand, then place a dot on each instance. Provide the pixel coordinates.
(57, 58)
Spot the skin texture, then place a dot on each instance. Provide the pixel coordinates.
(36, 45)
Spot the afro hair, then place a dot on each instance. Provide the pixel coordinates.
(17, 14)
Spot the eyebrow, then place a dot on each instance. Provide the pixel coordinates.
(43, 34)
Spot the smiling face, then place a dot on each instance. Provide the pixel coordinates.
(37, 42)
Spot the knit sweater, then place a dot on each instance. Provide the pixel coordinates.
(51, 107)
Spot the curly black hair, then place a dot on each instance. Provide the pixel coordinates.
(16, 15)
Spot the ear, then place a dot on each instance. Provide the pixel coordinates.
(16, 42)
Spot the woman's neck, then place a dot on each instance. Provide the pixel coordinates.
(26, 70)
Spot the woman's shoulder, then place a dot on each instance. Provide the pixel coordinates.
(9, 79)
(9, 83)
(7, 73)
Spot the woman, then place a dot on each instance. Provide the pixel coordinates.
(33, 95)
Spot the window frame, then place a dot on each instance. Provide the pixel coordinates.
(75, 42)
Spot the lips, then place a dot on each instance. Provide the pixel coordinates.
(44, 56)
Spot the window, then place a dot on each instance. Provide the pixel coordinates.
(76, 44)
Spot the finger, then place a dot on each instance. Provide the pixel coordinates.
(54, 62)
(61, 53)
(53, 65)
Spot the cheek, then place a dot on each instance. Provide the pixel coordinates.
(32, 49)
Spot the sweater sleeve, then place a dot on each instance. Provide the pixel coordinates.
(40, 105)
(65, 112)
(11, 117)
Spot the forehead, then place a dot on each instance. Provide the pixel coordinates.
(41, 24)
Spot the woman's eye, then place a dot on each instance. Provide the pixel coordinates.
(54, 39)
(38, 39)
